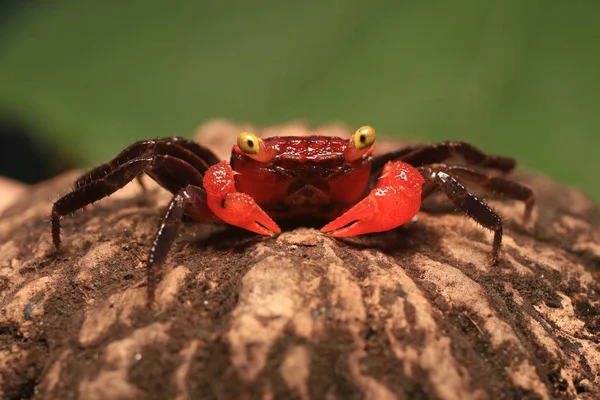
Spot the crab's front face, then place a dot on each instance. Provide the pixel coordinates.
(314, 176)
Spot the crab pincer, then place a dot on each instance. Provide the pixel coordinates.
(395, 200)
(233, 207)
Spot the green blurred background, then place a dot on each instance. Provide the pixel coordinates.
(515, 77)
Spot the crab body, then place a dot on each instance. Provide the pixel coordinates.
(307, 177)
(315, 177)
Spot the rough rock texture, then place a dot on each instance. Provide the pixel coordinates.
(407, 314)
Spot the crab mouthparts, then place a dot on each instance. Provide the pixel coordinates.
(307, 195)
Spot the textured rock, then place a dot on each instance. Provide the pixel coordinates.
(410, 313)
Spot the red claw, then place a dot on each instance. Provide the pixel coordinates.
(393, 202)
(233, 207)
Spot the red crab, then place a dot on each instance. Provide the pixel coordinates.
(278, 178)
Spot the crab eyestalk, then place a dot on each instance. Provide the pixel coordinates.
(360, 143)
(254, 147)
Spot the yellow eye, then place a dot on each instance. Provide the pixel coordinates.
(364, 137)
(248, 143)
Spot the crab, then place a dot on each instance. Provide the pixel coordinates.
(317, 177)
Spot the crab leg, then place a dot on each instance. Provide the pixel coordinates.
(393, 202)
(233, 207)
(192, 153)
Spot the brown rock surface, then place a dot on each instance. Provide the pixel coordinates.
(410, 313)
(9, 192)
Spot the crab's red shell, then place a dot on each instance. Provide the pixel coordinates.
(307, 177)
(314, 177)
